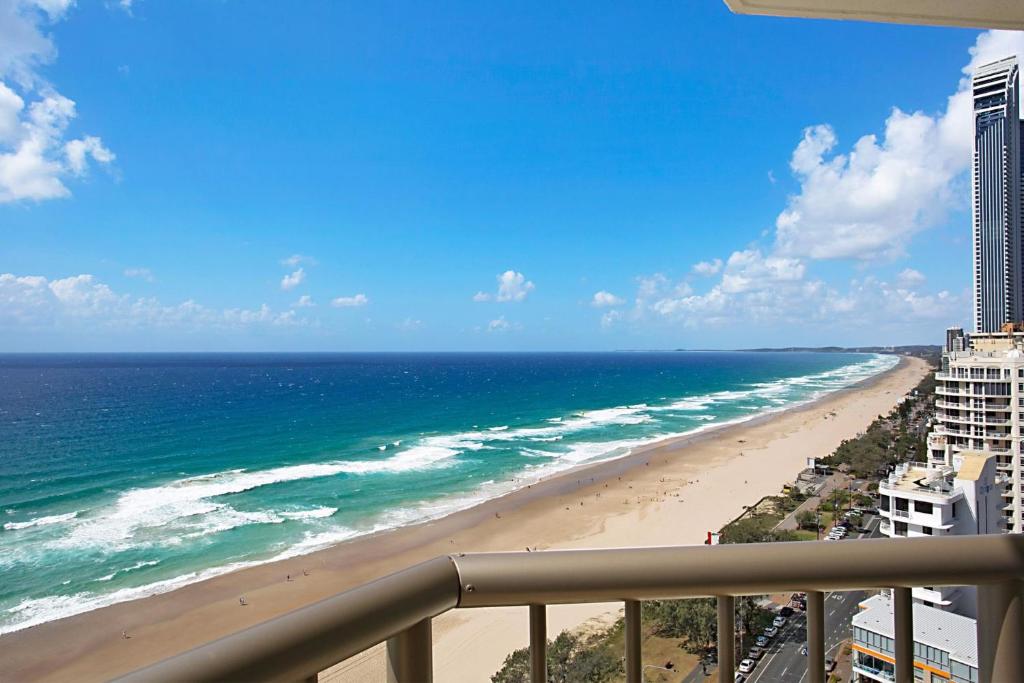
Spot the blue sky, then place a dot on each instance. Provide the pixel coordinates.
(403, 176)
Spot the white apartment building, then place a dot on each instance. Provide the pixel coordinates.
(980, 408)
(962, 498)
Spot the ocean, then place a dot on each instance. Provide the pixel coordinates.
(126, 475)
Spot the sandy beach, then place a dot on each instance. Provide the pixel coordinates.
(670, 493)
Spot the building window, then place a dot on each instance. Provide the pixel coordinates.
(901, 528)
(883, 503)
(902, 504)
(922, 507)
(926, 530)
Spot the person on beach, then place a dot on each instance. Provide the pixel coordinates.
(124, 635)
(242, 602)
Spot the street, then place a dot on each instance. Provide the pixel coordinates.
(782, 662)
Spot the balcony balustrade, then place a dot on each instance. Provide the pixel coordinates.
(399, 608)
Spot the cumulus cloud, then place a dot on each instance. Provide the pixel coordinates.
(409, 325)
(36, 154)
(34, 301)
(749, 269)
(500, 326)
(708, 268)
(350, 301)
(304, 301)
(298, 259)
(480, 297)
(293, 279)
(605, 299)
(513, 286)
(140, 273)
(868, 202)
(910, 278)
(609, 318)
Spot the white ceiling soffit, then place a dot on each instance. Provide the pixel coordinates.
(1007, 14)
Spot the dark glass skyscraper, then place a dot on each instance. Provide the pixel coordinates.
(996, 210)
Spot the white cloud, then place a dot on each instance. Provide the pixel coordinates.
(750, 269)
(708, 268)
(350, 301)
(293, 280)
(869, 202)
(910, 278)
(305, 301)
(409, 325)
(772, 301)
(298, 259)
(34, 301)
(35, 154)
(513, 286)
(609, 318)
(605, 299)
(500, 325)
(140, 273)
(480, 297)
(79, 151)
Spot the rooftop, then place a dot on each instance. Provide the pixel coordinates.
(919, 478)
(953, 633)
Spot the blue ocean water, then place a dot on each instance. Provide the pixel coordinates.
(127, 475)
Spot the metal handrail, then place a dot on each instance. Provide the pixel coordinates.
(399, 607)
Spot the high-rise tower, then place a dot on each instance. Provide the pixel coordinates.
(996, 209)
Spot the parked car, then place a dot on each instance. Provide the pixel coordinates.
(771, 631)
(746, 666)
(762, 641)
(779, 621)
(740, 678)
(755, 653)
(786, 612)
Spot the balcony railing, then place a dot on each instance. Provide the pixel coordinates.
(399, 608)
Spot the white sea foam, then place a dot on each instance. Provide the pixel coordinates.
(315, 513)
(40, 521)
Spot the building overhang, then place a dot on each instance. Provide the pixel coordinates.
(1005, 14)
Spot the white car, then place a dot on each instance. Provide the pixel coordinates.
(762, 641)
(746, 666)
(771, 631)
(779, 621)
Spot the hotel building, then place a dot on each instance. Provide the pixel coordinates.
(996, 195)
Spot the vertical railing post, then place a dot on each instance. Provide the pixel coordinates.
(726, 639)
(538, 644)
(903, 610)
(815, 637)
(410, 655)
(633, 658)
(1001, 632)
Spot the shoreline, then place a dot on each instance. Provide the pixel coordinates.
(173, 621)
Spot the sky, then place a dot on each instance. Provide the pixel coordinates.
(212, 175)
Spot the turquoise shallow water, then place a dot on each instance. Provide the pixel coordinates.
(128, 475)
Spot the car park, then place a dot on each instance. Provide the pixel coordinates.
(746, 666)
(771, 631)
